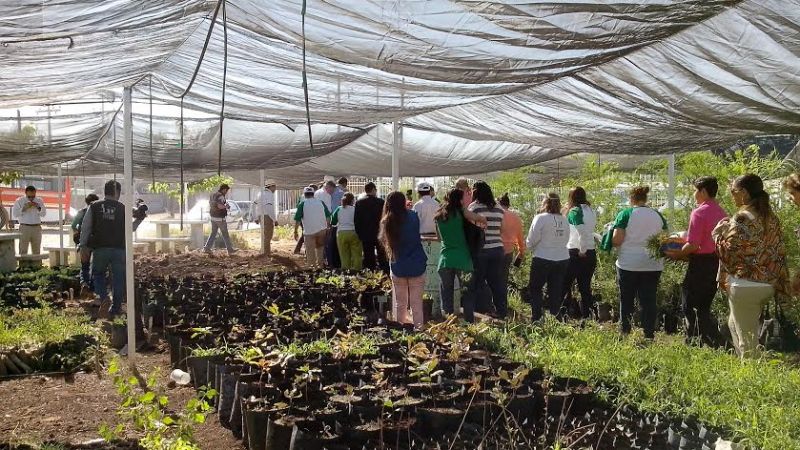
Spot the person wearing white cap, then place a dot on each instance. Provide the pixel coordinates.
(315, 217)
(426, 208)
(267, 216)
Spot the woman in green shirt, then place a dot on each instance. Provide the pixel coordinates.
(455, 258)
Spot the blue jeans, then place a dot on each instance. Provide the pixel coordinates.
(86, 274)
(489, 269)
(114, 258)
(447, 284)
(220, 226)
(643, 285)
(550, 273)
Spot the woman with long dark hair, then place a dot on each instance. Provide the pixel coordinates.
(399, 234)
(547, 241)
(638, 273)
(752, 261)
(488, 262)
(454, 259)
(582, 254)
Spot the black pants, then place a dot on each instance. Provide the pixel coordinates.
(581, 269)
(299, 244)
(550, 273)
(697, 293)
(643, 285)
(332, 251)
(373, 248)
(488, 265)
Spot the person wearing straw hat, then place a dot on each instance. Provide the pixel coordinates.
(266, 215)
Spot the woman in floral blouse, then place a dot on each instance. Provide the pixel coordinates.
(752, 261)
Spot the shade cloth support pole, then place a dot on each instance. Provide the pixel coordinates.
(262, 175)
(671, 190)
(183, 186)
(395, 155)
(224, 82)
(397, 142)
(60, 206)
(127, 189)
(305, 78)
(152, 159)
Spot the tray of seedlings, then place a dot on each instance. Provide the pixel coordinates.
(306, 360)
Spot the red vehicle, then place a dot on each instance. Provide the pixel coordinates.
(46, 189)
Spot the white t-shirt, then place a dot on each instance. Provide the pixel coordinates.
(266, 204)
(582, 222)
(426, 209)
(640, 224)
(344, 218)
(313, 214)
(548, 236)
(324, 197)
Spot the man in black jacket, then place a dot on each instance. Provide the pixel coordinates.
(367, 220)
(103, 231)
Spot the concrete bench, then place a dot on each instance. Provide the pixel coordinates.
(61, 256)
(166, 245)
(31, 261)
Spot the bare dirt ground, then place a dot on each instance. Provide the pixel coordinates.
(219, 264)
(71, 410)
(40, 409)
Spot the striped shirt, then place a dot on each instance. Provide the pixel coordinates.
(494, 221)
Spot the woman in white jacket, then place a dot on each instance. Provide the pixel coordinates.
(547, 241)
(582, 255)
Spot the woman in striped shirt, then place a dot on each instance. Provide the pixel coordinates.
(488, 263)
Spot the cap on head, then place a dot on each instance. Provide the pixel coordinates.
(270, 183)
(424, 187)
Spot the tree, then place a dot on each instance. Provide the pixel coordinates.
(173, 190)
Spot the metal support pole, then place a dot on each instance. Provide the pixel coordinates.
(60, 207)
(671, 191)
(127, 189)
(397, 143)
(395, 155)
(262, 188)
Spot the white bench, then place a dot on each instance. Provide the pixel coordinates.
(61, 256)
(166, 244)
(31, 261)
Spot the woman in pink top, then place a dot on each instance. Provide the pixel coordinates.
(700, 282)
(511, 233)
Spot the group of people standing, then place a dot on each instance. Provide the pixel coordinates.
(339, 230)
(743, 255)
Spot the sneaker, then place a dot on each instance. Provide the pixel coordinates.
(232, 252)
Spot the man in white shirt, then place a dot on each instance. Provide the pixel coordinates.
(324, 194)
(315, 217)
(426, 208)
(29, 210)
(267, 216)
